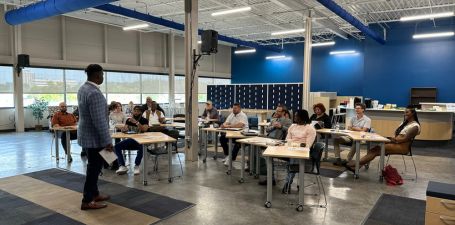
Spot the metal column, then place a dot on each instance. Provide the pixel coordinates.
(171, 66)
(307, 63)
(191, 81)
(18, 81)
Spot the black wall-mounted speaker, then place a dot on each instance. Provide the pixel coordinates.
(23, 60)
(209, 42)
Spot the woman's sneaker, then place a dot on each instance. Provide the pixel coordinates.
(122, 170)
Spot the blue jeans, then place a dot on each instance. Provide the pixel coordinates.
(128, 144)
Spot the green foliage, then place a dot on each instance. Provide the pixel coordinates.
(38, 107)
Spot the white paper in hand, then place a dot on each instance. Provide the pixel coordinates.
(108, 156)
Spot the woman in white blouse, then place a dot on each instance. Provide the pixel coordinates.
(117, 116)
(400, 144)
(302, 133)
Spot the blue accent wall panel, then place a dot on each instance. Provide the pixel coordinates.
(289, 95)
(222, 96)
(252, 96)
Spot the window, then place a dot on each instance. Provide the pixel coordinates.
(156, 87)
(6, 86)
(123, 87)
(43, 83)
(179, 89)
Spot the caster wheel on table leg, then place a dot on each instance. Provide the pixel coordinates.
(299, 208)
(356, 176)
(204, 160)
(214, 157)
(169, 180)
(145, 182)
(268, 204)
(256, 176)
(367, 166)
(228, 172)
(241, 180)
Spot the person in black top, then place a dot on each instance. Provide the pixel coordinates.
(320, 115)
(136, 123)
(148, 105)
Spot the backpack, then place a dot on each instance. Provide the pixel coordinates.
(392, 176)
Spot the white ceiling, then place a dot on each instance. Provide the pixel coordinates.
(267, 16)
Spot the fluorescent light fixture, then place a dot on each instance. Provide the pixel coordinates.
(199, 42)
(433, 35)
(137, 26)
(277, 57)
(245, 51)
(343, 52)
(230, 11)
(287, 32)
(323, 44)
(427, 16)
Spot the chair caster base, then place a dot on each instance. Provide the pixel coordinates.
(268, 204)
(299, 208)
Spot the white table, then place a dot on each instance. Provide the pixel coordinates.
(149, 138)
(299, 153)
(57, 131)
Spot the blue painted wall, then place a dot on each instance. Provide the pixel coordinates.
(383, 72)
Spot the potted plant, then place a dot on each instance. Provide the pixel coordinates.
(38, 107)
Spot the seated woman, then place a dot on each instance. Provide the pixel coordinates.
(320, 116)
(399, 144)
(301, 132)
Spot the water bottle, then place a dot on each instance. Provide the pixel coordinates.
(337, 127)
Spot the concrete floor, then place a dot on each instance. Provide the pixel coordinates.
(220, 199)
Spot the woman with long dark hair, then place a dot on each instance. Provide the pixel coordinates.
(399, 144)
(302, 133)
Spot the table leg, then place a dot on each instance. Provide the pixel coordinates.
(68, 147)
(258, 149)
(242, 171)
(169, 153)
(357, 159)
(301, 184)
(144, 166)
(381, 161)
(230, 157)
(57, 157)
(216, 144)
(268, 202)
(206, 143)
(251, 159)
(326, 139)
(261, 130)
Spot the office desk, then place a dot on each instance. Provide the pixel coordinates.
(230, 135)
(256, 143)
(299, 153)
(262, 127)
(149, 138)
(57, 131)
(358, 137)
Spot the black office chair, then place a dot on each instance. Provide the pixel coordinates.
(409, 153)
(315, 158)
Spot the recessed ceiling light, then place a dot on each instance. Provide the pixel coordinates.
(433, 35)
(230, 11)
(137, 26)
(287, 32)
(427, 16)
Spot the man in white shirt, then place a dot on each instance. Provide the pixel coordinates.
(359, 122)
(153, 115)
(237, 119)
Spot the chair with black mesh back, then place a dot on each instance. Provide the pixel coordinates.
(315, 158)
(409, 153)
(159, 151)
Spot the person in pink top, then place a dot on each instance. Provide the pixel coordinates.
(300, 132)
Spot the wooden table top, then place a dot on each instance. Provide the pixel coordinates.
(235, 134)
(180, 125)
(262, 124)
(287, 152)
(216, 129)
(260, 141)
(257, 111)
(146, 138)
(65, 128)
(176, 119)
(356, 135)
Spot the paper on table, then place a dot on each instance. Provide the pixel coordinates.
(109, 157)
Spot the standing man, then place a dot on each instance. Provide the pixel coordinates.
(93, 134)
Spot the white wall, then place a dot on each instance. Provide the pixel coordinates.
(67, 42)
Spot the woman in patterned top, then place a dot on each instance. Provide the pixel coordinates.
(400, 144)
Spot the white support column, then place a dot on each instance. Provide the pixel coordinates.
(191, 81)
(171, 61)
(307, 63)
(18, 82)
(139, 48)
(105, 44)
(63, 21)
